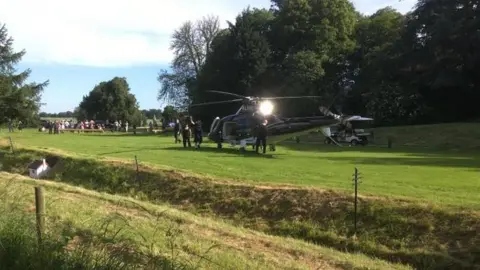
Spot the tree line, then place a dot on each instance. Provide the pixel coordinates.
(414, 68)
(419, 67)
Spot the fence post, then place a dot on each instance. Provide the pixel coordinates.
(40, 212)
(11, 144)
(136, 168)
(356, 178)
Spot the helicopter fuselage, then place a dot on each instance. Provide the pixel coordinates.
(240, 128)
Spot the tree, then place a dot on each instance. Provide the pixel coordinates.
(18, 100)
(443, 44)
(240, 55)
(370, 70)
(111, 100)
(420, 67)
(307, 34)
(169, 114)
(191, 44)
(152, 113)
(238, 60)
(67, 114)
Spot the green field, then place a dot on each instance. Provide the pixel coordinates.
(438, 176)
(418, 206)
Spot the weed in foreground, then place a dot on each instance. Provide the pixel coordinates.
(65, 247)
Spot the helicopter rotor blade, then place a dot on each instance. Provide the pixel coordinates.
(292, 97)
(227, 93)
(216, 102)
(327, 112)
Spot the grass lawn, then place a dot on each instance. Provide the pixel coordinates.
(143, 233)
(440, 176)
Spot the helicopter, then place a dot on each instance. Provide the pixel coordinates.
(239, 128)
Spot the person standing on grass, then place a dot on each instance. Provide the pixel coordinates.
(50, 127)
(10, 125)
(187, 131)
(176, 130)
(198, 134)
(262, 136)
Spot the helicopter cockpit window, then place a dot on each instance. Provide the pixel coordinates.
(241, 121)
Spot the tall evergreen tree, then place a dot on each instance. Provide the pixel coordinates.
(18, 100)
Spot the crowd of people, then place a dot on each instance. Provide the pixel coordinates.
(59, 126)
(186, 127)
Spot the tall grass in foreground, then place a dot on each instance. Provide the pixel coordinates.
(66, 247)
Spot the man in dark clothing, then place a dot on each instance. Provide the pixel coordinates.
(262, 136)
(50, 127)
(198, 134)
(187, 131)
(10, 125)
(176, 130)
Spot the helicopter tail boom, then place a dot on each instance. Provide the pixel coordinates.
(282, 131)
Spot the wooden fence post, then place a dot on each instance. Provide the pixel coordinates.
(136, 170)
(356, 181)
(11, 144)
(40, 212)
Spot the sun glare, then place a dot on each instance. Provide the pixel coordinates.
(266, 107)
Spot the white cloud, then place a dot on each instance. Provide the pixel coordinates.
(112, 33)
(370, 6)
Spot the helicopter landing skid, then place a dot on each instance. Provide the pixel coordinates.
(243, 145)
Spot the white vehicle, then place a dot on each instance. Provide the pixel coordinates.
(354, 130)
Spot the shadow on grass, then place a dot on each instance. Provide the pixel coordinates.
(130, 134)
(418, 161)
(133, 150)
(413, 156)
(321, 147)
(231, 151)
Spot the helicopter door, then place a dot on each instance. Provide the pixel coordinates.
(214, 124)
(229, 130)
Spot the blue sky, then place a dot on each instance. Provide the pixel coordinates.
(77, 44)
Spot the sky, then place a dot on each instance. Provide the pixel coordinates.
(77, 44)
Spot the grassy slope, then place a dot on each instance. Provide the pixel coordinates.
(426, 236)
(439, 176)
(143, 228)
